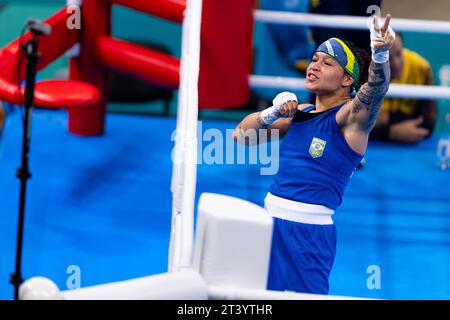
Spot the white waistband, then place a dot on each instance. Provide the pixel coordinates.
(297, 211)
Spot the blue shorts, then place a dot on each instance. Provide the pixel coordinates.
(302, 256)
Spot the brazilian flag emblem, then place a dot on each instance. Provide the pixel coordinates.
(316, 148)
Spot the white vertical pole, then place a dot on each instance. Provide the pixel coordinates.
(185, 155)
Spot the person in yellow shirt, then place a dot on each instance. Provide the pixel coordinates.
(406, 120)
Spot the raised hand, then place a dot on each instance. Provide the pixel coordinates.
(384, 37)
(381, 39)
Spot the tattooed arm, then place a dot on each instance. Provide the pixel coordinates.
(358, 117)
(367, 103)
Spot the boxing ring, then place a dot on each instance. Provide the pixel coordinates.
(195, 271)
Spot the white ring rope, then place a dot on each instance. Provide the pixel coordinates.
(348, 22)
(395, 90)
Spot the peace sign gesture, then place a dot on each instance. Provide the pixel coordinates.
(382, 38)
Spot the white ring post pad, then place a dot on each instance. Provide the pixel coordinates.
(233, 242)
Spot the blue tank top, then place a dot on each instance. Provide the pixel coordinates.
(316, 163)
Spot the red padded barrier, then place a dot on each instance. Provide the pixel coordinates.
(63, 93)
(168, 9)
(53, 94)
(147, 64)
(226, 53)
(96, 22)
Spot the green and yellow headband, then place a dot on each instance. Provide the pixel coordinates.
(337, 49)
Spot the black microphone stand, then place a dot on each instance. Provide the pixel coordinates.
(30, 49)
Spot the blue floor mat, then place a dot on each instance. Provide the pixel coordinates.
(104, 204)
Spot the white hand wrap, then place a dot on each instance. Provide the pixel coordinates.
(379, 55)
(272, 114)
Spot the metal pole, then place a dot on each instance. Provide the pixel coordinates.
(23, 173)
